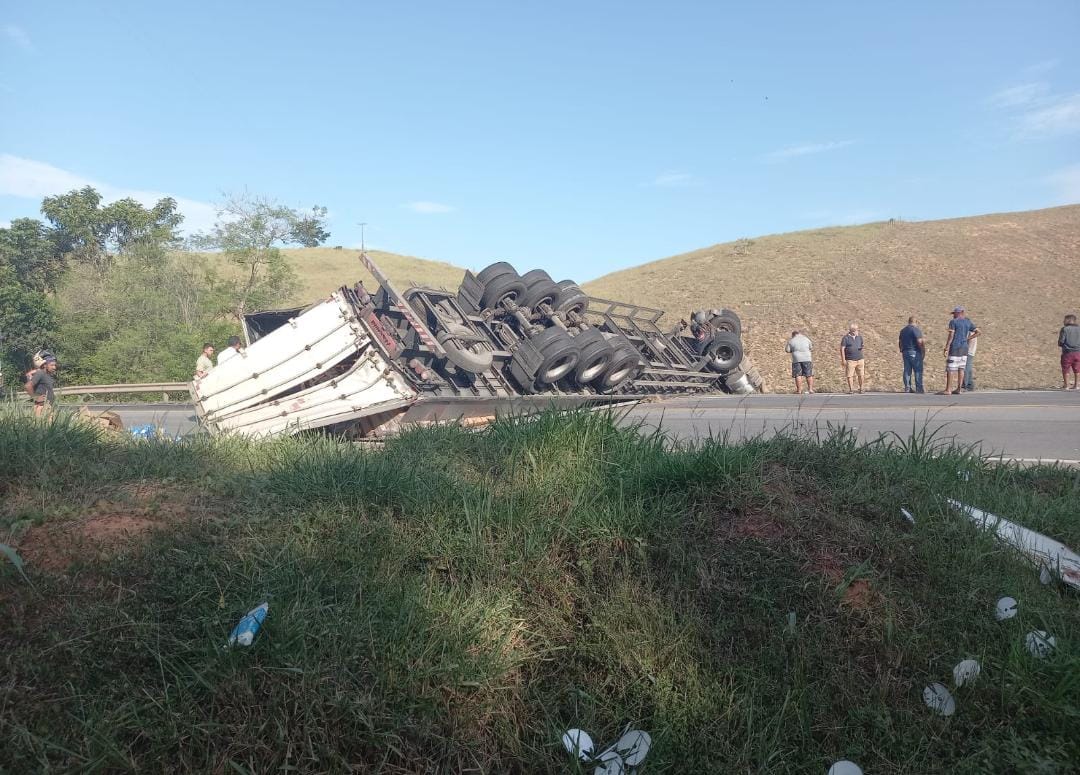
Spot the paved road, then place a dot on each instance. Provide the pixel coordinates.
(1018, 424)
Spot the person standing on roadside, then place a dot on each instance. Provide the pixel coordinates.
(802, 360)
(229, 352)
(961, 331)
(913, 351)
(205, 364)
(1069, 342)
(40, 387)
(852, 358)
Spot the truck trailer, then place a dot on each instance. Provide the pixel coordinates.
(365, 362)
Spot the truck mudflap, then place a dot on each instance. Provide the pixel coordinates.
(302, 350)
(369, 387)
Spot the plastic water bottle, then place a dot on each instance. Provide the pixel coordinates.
(244, 632)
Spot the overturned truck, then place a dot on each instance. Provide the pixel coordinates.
(366, 362)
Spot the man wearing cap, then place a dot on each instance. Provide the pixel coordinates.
(961, 331)
(40, 387)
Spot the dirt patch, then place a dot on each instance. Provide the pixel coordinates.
(756, 525)
(107, 527)
(860, 596)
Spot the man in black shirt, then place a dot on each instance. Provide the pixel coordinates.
(40, 387)
(913, 350)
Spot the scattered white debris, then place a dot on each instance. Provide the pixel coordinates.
(965, 475)
(1045, 576)
(845, 767)
(1040, 643)
(633, 747)
(612, 766)
(1006, 609)
(244, 632)
(939, 699)
(1050, 555)
(578, 743)
(907, 515)
(966, 672)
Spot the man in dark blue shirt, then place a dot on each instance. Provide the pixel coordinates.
(912, 349)
(961, 331)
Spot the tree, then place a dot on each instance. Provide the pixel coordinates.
(251, 231)
(29, 248)
(26, 322)
(90, 233)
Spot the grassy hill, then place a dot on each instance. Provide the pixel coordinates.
(1017, 274)
(321, 270)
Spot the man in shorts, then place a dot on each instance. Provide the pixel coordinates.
(1069, 342)
(961, 331)
(40, 386)
(852, 358)
(802, 360)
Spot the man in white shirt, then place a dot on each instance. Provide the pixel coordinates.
(229, 352)
(802, 360)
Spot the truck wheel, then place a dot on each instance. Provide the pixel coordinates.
(571, 298)
(559, 354)
(727, 321)
(625, 364)
(489, 273)
(473, 357)
(725, 351)
(596, 354)
(539, 289)
(501, 285)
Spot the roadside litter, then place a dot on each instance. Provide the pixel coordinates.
(624, 755)
(244, 632)
(908, 516)
(939, 699)
(1040, 643)
(1006, 609)
(966, 672)
(1050, 556)
(845, 767)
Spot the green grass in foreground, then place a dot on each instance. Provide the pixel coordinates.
(453, 602)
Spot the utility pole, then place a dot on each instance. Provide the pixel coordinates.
(362, 227)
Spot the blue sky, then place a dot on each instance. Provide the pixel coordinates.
(583, 137)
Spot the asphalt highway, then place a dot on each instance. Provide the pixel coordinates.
(1022, 425)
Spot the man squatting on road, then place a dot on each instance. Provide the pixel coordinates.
(913, 350)
(802, 360)
(851, 357)
(961, 331)
(1069, 342)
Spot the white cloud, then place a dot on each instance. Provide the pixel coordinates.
(1051, 117)
(794, 151)
(1039, 68)
(428, 208)
(17, 35)
(29, 179)
(673, 179)
(843, 217)
(1067, 182)
(1016, 96)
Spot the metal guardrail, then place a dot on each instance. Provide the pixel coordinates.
(146, 387)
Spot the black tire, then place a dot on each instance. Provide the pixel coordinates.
(571, 298)
(625, 365)
(559, 352)
(725, 352)
(472, 357)
(497, 269)
(596, 355)
(501, 286)
(539, 289)
(727, 322)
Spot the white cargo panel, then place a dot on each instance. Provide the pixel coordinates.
(368, 388)
(299, 351)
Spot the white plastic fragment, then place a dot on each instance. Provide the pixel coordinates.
(845, 767)
(907, 515)
(965, 672)
(939, 699)
(1053, 556)
(1045, 576)
(1006, 608)
(1040, 643)
(965, 475)
(612, 766)
(244, 632)
(578, 743)
(633, 747)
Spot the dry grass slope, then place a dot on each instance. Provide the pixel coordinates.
(1017, 274)
(321, 270)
